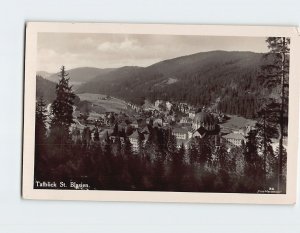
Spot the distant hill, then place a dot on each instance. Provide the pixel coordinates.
(199, 79)
(79, 75)
(45, 89)
(44, 74)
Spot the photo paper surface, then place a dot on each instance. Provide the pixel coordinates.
(164, 113)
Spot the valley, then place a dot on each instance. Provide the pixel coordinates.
(102, 103)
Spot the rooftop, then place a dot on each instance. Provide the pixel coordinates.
(237, 122)
(204, 117)
(234, 136)
(179, 130)
(134, 135)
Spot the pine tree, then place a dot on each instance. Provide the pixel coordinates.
(177, 169)
(193, 152)
(86, 136)
(275, 75)
(171, 143)
(158, 176)
(107, 146)
(108, 164)
(40, 138)
(253, 162)
(116, 129)
(205, 151)
(96, 135)
(141, 144)
(118, 146)
(76, 136)
(265, 131)
(284, 166)
(225, 166)
(127, 150)
(181, 152)
(40, 121)
(62, 109)
(96, 167)
(222, 158)
(180, 159)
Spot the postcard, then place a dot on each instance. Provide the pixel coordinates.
(161, 113)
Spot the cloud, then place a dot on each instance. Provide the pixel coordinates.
(116, 50)
(126, 45)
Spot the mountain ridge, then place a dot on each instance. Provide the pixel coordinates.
(198, 79)
(77, 75)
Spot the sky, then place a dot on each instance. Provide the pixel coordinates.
(116, 50)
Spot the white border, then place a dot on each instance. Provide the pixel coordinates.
(33, 28)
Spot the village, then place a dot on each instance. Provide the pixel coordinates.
(184, 121)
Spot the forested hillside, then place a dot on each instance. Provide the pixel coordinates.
(226, 78)
(45, 89)
(79, 75)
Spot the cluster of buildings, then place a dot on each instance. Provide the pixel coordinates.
(183, 120)
(195, 123)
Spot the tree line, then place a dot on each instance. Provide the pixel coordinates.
(159, 164)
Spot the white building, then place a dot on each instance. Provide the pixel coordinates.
(235, 138)
(192, 114)
(134, 138)
(135, 124)
(158, 102)
(180, 133)
(169, 105)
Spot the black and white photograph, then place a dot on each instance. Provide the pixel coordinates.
(161, 112)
